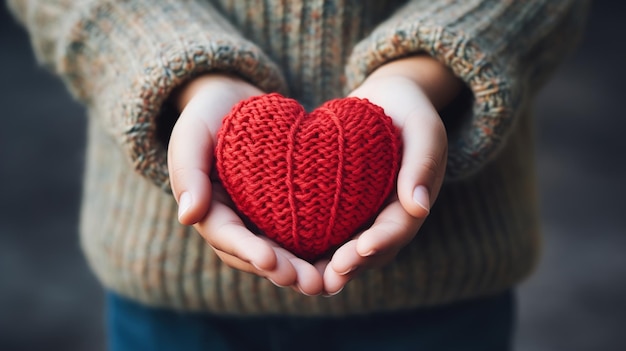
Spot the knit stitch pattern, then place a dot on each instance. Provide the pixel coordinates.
(308, 181)
(125, 59)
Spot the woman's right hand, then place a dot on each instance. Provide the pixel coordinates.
(205, 205)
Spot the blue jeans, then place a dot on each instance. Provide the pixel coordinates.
(483, 324)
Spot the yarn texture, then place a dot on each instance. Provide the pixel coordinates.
(308, 181)
(124, 60)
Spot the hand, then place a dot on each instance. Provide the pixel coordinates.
(410, 91)
(205, 205)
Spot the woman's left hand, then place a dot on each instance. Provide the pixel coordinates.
(410, 91)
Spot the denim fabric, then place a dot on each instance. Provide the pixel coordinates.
(483, 324)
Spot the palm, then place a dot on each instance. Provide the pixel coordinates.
(419, 180)
(206, 205)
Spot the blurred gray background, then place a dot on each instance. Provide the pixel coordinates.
(575, 301)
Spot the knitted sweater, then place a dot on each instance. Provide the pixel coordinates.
(124, 58)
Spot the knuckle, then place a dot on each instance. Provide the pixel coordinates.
(177, 181)
(229, 260)
(177, 175)
(430, 165)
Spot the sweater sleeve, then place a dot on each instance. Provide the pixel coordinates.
(124, 58)
(502, 49)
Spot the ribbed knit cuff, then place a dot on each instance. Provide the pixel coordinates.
(489, 45)
(126, 58)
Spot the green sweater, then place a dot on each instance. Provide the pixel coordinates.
(123, 60)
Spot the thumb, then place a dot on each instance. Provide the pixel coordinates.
(190, 154)
(423, 160)
(423, 135)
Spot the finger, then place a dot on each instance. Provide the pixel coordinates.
(309, 277)
(285, 274)
(309, 281)
(190, 153)
(424, 140)
(393, 229)
(347, 259)
(282, 276)
(225, 231)
(377, 246)
(237, 263)
(423, 160)
(334, 282)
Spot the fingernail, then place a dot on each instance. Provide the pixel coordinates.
(421, 197)
(302, 291)
(347, 271)
(278, 285)
(369, 253)
(184, 203)
(257, 267)
(335, 293)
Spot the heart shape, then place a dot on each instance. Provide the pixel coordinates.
(307, 181)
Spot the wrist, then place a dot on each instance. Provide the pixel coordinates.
(209, 82)
(436, 80)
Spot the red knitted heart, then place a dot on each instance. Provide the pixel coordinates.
(308, 182)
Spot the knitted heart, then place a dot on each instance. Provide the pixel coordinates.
(307, 181)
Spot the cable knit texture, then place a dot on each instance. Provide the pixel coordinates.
(124, 58)
(308, 181)
(483, 43)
